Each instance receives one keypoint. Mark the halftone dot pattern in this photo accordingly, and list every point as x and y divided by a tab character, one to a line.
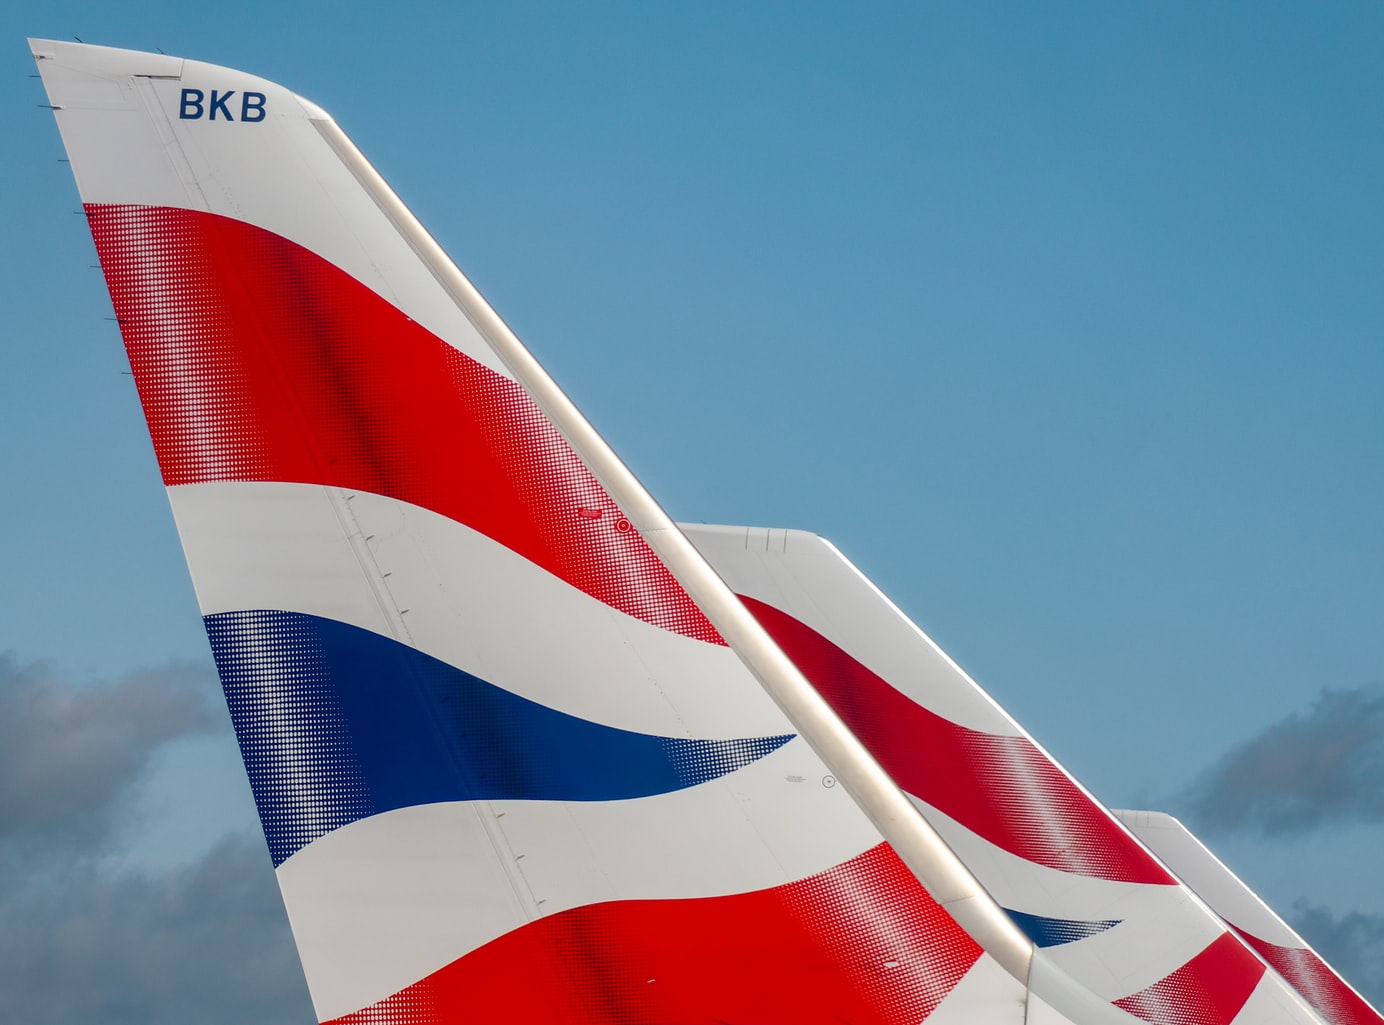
293	735
415	1006
1210	989
907	953
199	407
258	360
512	748
1053	932
338	722
1316	982
1001	788
599	553
700	761
862	943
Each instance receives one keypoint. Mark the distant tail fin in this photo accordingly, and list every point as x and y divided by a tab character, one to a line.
1095	901
1258	924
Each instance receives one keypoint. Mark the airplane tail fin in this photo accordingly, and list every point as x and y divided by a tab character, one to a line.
505	760
517	750
1253	920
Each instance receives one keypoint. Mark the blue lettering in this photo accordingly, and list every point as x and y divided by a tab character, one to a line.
191	109
218	102
252	106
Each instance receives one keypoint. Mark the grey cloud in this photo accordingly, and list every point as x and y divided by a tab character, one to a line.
1353	944
68	753
1323	767
207	942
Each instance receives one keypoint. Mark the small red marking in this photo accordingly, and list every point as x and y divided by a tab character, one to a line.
623	525
590	514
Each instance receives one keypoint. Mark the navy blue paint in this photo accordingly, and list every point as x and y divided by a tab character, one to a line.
218	102
1052	932
337	723
192	105
252	107
191	108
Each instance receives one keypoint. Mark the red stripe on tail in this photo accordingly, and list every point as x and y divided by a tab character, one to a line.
1317	983
1001	788
258	360
1210	989
861	943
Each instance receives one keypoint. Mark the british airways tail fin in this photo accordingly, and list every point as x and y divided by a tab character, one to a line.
1093	899
517	752
1252	919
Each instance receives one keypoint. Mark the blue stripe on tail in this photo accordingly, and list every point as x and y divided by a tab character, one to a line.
337	723
1052	932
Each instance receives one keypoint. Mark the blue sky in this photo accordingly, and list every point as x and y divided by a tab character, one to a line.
1063	321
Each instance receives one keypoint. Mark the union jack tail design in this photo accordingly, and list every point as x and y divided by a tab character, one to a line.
518	751
506	763
1094	900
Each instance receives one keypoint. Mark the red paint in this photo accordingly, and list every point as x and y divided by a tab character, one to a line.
1316	982
1210	989
1002	788
814	952
257	360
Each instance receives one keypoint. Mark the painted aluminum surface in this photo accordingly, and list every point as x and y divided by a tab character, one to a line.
476	811
1253	920
1098	903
